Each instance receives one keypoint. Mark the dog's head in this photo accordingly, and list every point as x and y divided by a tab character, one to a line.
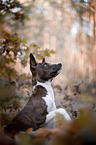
43	72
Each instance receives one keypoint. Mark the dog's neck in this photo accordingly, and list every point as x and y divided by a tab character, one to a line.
48	87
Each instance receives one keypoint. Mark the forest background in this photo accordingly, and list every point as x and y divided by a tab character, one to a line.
59	30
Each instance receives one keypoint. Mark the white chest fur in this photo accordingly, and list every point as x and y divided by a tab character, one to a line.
49	98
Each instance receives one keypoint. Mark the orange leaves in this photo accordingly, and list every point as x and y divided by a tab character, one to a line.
28	130
40	53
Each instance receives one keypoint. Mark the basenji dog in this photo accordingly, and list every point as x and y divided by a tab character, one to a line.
41	107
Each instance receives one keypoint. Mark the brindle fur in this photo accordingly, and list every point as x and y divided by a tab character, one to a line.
32	116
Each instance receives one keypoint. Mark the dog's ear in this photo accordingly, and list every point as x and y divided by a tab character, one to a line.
43	60
32	62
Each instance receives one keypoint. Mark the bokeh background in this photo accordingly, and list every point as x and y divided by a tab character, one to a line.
67	27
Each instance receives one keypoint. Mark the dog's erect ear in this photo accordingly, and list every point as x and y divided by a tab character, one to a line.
32	62
43	60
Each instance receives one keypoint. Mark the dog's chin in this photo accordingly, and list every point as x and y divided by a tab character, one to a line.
56	73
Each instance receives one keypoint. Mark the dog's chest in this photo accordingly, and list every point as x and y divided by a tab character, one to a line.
49	98
49	102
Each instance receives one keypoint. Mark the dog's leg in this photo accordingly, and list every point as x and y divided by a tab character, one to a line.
51	121
61	111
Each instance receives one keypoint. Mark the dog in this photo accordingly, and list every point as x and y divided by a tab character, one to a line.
41	108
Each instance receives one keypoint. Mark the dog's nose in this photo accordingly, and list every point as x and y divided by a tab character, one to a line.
60	64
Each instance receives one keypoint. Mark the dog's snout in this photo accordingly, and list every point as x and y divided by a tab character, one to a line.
60	64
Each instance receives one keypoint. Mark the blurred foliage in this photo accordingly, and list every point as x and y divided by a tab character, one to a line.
81	131
83	6
86	11
12	46
13	9
75	95
9	104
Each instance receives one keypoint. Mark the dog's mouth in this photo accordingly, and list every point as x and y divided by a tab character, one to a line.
57	70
